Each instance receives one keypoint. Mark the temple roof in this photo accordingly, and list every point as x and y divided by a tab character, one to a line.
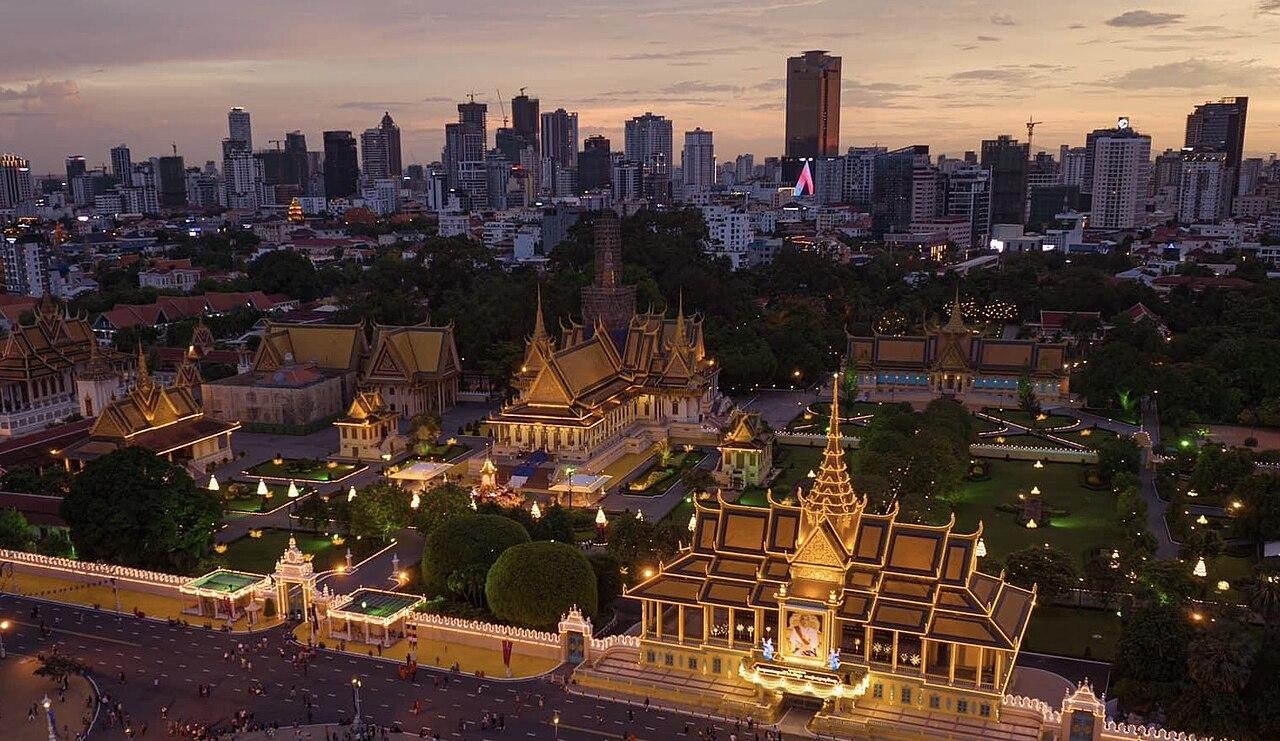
412	354
365	406
47	346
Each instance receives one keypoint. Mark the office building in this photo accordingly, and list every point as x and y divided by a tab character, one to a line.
648	141
627	179
297	169
242	176
969	196
77	166
238	127
26	266
391	137
594	170
465	141
698	161
1204	187
560	137
171	173
15	181
893	185
341	166
744	168
813	105
1071	165
1219	126
122	165
1120	158
1166	173
859	173
525	119
1007	161
373	154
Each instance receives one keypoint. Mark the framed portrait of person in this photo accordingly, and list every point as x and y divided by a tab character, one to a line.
802	637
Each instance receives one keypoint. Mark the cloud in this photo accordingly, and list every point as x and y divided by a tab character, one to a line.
1197	73
1076	26
733	8
373	105
1003	19
654	56
437	99
1002	74
988	38
1269	6
876	94
1144	19
42	91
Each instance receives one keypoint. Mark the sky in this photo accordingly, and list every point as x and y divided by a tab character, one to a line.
81	76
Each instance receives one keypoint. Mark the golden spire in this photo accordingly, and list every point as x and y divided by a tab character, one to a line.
955	323
832	491
679	340
539	326
144	375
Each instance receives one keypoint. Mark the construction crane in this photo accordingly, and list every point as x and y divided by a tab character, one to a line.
503	107
1031	131
276	142
175	148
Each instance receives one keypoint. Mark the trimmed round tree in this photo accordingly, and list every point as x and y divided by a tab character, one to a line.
533	584
466	540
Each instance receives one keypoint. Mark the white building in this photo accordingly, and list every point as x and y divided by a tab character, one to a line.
26	268
1204	187
15	181
238	127
241	177
698	161
859	174
1121	158
454	224
728	229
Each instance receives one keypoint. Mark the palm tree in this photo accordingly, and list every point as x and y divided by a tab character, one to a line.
424	428
1220	660
1264	592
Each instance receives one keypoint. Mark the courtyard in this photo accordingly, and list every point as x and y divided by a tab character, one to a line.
258	555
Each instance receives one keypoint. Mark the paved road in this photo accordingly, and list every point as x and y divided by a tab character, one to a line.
164	665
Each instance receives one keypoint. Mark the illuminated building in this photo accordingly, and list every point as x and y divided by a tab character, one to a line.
952	360
826	599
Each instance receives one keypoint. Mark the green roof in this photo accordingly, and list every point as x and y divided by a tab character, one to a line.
376	603
224	580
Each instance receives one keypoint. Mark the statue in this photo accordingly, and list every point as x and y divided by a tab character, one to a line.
833	661
767	648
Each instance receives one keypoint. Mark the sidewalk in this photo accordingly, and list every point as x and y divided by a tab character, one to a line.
22	689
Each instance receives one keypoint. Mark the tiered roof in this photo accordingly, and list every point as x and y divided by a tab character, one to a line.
48	346
829	549
333	347
412	354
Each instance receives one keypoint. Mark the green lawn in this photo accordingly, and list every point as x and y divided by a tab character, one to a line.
252	503
819	414
259	555
303	469
1026	440
1071	631
246	497
441	452
1090	523
1019	417
1096	435
658	479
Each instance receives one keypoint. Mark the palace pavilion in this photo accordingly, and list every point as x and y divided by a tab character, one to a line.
830	601
954	361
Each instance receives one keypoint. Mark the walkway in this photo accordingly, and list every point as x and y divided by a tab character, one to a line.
1156	507
656	507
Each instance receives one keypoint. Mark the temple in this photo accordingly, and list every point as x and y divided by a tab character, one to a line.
953	361
169	421
827	600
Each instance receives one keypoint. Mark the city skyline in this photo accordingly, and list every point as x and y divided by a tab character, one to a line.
965	73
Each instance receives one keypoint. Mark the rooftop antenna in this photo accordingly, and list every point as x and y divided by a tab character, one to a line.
472	96
522	91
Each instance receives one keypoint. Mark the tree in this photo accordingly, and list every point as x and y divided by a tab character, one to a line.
637	543
468	583
1263	590
533	584
1151	659
1027	400
1116	455
1259	515
314	512
424	429
287	272
555	524
134	508
1221	469
1164	582
608	577
1103	580
379	510
1048	568
15	531
440	504
463	541
57	666
1219	662
53	481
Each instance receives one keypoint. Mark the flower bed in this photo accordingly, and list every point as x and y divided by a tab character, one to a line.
303	469
660	478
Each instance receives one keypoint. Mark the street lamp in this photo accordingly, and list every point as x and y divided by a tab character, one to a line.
357	723
555	721
4	625
48	717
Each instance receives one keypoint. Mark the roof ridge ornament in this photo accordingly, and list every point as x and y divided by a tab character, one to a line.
832	492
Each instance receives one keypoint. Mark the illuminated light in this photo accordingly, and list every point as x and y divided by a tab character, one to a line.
1038	464
1035	491
416	502
293	490
1236	504
1223	585
1200	569
693	522
535	511
1202	520
351	493
473	504
1193	493
1196	616
811	474
640	515
600	518
263	489
220	548
647	573
1031	524
981	550
213	483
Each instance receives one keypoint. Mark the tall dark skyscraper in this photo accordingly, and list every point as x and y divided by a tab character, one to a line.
595	165
76	167
173	182
239	127
391	136
525	119
813	105
466	140
1218	126
1007	161
560	137
893	180
296	169
122	165
341	166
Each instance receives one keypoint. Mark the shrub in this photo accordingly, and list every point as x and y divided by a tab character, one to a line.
463	541
533	584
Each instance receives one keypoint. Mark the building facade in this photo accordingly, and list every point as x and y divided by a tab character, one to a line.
414	370
1120	158
38	366
813	105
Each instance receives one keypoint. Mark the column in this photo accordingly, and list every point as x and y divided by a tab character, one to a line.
893	660
951	669
680	623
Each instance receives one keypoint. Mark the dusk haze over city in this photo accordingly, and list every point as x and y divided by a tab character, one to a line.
762	370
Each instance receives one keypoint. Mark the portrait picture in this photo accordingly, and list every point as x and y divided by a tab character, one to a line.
803	637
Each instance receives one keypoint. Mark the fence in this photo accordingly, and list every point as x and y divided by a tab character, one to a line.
1032	453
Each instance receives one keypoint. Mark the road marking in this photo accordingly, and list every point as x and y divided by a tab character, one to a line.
84	635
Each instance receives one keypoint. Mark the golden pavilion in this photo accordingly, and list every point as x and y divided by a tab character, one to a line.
828	602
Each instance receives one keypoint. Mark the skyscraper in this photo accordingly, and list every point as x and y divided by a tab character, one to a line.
1203	187
1120	158
238	127
391	134
893	185
465	141
373	154
648	142
813	105
341	166
1007	161
524	119
296	168
698	161
594	164
172	174
76	167
560	137
1218	126
15	180
122	165
969	195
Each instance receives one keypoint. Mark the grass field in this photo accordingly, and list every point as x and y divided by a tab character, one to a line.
259	555
1090	523
1019	417
1027	440
1073	631
302	469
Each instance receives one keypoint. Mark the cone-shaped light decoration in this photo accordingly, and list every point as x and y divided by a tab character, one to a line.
351	493
416	502
981	550
600	518
535	511
213	483
1200	569
293	490
263	490
693	522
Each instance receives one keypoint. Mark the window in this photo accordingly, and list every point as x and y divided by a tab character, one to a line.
962	706
935	702
984	710
668	660
693	664
906	695
651	657
877	691
716	665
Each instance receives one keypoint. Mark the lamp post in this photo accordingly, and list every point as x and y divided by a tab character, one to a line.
48	717
357	722
4	625
555	721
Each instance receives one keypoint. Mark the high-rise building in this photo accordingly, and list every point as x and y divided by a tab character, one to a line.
122	165
627	179
391	135
744	167
171	174
594	171
1120	159
1204	187
648	141
26	266
1219	126
465	141
928	192
297	170
242	176
1071	165
1166	174
238	127
15	180
1007	161
813	105
77	166
969	195
560	137
893	185
698	161
525	120
341	166
859	174
373	154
